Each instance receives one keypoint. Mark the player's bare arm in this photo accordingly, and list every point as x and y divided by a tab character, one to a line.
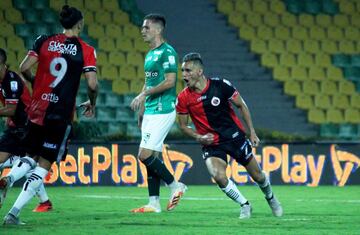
239	102
89	105
8	110
168	83
26	65
203	139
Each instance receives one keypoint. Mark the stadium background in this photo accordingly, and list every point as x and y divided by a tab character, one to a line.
295	62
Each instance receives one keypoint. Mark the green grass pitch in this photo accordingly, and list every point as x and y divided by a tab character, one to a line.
203	210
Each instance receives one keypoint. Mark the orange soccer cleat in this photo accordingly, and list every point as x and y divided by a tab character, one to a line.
43	207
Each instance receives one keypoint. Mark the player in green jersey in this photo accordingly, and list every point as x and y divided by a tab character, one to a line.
156	106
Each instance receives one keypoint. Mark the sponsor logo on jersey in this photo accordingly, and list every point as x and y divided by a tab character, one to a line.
62	48
215	101
158	52
151	74
50	97
14	86
203	97
49	145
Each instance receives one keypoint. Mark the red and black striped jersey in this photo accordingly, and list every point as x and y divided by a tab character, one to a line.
211	110
14	91
61	61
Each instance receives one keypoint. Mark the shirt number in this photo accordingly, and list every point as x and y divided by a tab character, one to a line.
58	68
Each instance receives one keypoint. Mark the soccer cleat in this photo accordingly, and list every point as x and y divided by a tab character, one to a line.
176	195
4	185
147	209
275	206
11	219
245	211
43	207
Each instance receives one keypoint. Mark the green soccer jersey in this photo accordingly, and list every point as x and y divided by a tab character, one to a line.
158	62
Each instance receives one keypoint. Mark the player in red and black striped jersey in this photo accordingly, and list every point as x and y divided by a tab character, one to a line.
61	59
15	98
209	104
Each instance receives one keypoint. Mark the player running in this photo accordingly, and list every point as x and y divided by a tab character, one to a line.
208	102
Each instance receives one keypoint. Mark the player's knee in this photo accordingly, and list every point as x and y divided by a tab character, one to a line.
259	177
33	183
221	180
29	161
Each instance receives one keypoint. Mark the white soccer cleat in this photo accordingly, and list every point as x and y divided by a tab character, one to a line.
275	206
4	185
176	195
245	211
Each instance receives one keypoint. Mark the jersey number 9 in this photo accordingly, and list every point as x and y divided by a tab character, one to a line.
58	67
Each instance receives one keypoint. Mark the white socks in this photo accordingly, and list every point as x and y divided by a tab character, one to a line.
30	187
21	168
9	162
233	192
41	192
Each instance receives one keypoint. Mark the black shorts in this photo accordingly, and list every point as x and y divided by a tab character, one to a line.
49	141
239	149
11	141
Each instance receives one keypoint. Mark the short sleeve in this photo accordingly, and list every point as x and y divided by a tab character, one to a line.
228	89
89	60
170	61
181	107
37	45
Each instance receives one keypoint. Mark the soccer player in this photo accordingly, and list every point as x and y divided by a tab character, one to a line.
156	106
60	59
15	98
208	102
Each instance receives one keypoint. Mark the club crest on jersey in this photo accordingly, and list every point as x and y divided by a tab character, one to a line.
215	101
14	86
62	48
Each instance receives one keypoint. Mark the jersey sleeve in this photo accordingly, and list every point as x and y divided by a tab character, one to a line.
89	60
181	107
37	45
228	89
12	89
170	61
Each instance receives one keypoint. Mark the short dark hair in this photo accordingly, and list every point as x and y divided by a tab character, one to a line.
157	18
193	56
3	56
70	16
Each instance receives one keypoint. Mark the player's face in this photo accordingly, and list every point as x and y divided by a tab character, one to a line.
149	30
190	73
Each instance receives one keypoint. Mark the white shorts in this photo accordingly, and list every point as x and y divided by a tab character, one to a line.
154	129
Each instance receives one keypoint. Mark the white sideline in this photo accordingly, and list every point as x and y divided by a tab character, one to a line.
97	196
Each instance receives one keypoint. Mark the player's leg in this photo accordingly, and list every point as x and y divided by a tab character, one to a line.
45	204
217	169
153	181
29	190
263	181
150	147
7	160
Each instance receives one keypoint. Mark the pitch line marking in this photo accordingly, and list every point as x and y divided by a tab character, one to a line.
98	196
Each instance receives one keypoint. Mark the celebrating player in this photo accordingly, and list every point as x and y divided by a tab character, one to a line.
208	102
